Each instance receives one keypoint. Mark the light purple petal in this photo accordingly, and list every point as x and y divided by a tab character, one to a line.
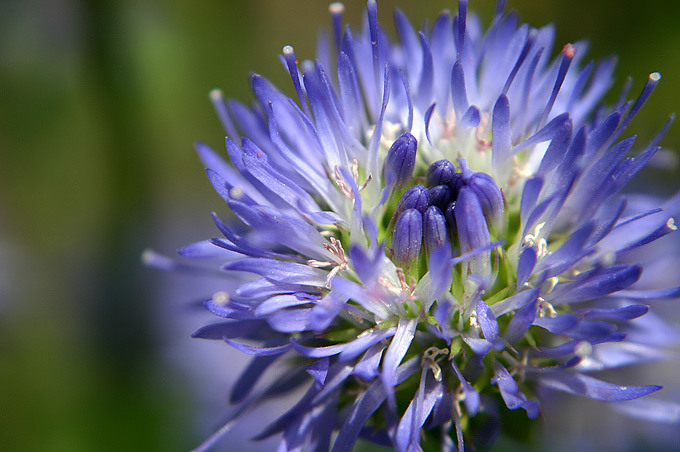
290	321
318	370
649	409
584	385
259	351
360	344
280	271
487	321
395	353
511	394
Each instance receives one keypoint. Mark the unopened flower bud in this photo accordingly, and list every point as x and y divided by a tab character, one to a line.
416	197
490	197
401	158
440	196
434	228
408	237
440	173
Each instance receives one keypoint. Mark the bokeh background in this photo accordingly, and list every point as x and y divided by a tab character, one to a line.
100	103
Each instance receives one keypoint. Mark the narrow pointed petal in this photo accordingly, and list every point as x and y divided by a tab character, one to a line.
584	385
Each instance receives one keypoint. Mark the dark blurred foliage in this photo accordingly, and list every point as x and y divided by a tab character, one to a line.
100	102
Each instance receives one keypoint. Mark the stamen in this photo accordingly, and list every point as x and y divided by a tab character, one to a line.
535	240
474	323
545	309
338	251
429	360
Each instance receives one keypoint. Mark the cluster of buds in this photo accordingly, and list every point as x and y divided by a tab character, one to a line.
456	208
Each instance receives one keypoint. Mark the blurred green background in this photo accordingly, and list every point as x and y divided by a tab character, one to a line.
100	102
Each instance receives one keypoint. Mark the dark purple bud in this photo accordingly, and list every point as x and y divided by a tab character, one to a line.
450	215
440	196
416	197
490	197
434	229
440	173
401	158
473	233
455	184
407	237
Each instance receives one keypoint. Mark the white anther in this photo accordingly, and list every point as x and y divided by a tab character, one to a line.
336	8
545	309
220	297
216	94
608	259
550	284
474	323
236	193
670	224
583	349
537	241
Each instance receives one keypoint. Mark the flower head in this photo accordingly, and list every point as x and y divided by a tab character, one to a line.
433	229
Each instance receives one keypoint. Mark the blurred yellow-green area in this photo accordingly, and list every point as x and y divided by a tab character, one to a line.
100	103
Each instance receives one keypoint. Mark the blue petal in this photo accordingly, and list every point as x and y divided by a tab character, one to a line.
280	271
395	353
458	91
511	394
259	351
357	346
584	385
440	272
520	322
516	301
279	302
366	404
249	377
319	370
530	192
263	288
595	283
557	325
525	266
649	409
671	292
231	329
502	141
367	367
290	321
471	395
326	310
629	312
408	431
487	321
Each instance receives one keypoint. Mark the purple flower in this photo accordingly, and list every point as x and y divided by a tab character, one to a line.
406	311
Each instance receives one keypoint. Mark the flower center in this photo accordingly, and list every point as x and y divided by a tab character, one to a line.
457	207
